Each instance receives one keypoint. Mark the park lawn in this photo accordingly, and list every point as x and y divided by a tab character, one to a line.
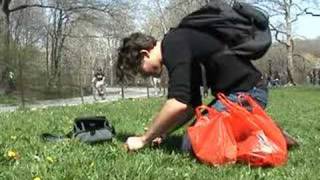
296	109
8	100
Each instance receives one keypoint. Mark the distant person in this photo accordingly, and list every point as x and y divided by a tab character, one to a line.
156	83
98	82
318	76
12	80
9	78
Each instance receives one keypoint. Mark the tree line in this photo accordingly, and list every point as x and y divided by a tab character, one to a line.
52	47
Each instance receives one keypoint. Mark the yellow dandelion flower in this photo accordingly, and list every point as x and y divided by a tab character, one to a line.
37	178
12	154
50	159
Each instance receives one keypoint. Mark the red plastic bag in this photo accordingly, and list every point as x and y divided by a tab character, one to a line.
259	140
211	137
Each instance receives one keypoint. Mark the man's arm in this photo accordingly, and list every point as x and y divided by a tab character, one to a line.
93	80
172	114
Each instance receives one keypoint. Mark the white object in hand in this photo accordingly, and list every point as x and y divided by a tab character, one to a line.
135	143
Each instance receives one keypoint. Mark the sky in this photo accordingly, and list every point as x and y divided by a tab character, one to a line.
308	27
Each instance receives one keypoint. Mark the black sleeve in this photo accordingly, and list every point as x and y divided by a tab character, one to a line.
178	60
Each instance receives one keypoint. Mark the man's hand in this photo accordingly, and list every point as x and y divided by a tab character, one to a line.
158	140
173	114
135	143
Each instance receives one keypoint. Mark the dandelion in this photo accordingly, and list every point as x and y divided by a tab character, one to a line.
50	159
37	178
13	137
13	154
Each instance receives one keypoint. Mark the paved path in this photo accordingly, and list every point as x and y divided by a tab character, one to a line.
113	94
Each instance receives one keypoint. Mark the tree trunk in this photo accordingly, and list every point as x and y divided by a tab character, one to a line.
47	57
80	80
22	95
122	90
111	69
270	68
56	50
111	61
162	18
5	8
7	29
5	81
289	47
290	65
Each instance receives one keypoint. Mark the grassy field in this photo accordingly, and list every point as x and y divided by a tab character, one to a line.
23	155
10	100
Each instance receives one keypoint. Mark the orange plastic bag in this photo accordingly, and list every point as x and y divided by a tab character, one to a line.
211	137
259	140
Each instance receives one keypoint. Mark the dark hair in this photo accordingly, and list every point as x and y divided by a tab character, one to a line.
129	56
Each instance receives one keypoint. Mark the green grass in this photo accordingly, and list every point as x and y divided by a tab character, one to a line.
296	109
8	99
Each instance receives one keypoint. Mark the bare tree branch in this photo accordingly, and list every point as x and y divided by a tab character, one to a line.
303	12
311	13
279	40
89	36
104	8
33	5
274	28
277	31
298	14
271	9
5	6
299	55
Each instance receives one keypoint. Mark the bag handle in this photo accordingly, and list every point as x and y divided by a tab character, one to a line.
231	106
225	101
250	100
237	109
200	110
